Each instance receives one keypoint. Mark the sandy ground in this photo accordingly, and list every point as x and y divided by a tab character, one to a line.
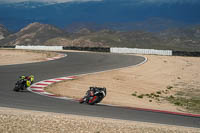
24	121
8	57
155	75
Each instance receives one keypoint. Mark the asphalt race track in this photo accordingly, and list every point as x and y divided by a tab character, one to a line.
74	64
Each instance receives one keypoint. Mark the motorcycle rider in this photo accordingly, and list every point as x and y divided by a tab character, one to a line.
31	78
93	95
27	80
89	94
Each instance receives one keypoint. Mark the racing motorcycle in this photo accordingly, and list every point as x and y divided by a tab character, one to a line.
93	96
20	85
24	82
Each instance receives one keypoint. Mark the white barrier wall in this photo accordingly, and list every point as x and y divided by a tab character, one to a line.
40	47
141	51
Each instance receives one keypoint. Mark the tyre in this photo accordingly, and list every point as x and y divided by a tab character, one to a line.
16	89
81	101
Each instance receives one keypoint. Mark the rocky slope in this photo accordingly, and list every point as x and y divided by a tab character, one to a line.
33	34
182	38
44	34
3	32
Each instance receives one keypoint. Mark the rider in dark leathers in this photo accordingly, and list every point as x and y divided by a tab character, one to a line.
90	94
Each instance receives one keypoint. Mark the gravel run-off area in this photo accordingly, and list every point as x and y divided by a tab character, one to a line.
24	121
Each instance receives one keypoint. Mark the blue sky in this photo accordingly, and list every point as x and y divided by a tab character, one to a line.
140	1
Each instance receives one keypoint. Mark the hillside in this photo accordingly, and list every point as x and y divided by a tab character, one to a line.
139	39
3	32
33	34
184	39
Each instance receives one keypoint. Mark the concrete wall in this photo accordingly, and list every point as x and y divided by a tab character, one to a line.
141	51
40	47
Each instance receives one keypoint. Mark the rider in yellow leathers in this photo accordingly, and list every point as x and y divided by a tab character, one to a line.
27	80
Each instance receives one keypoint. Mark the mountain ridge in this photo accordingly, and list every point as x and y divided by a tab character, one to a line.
182	39
3	32
32	34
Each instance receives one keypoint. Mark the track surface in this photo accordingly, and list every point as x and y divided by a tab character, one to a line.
74	64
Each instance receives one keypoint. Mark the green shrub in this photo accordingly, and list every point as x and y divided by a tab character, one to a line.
177	103
169	87
171	97
134	94
141	96
158	92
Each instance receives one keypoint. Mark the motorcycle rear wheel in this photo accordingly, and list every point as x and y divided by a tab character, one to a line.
16	89
81	101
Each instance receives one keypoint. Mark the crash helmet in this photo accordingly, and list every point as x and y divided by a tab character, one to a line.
91	88
22	77
31	76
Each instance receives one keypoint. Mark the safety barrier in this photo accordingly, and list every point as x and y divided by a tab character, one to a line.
184	53
95	49
7	46
112	50
141	51
40	47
